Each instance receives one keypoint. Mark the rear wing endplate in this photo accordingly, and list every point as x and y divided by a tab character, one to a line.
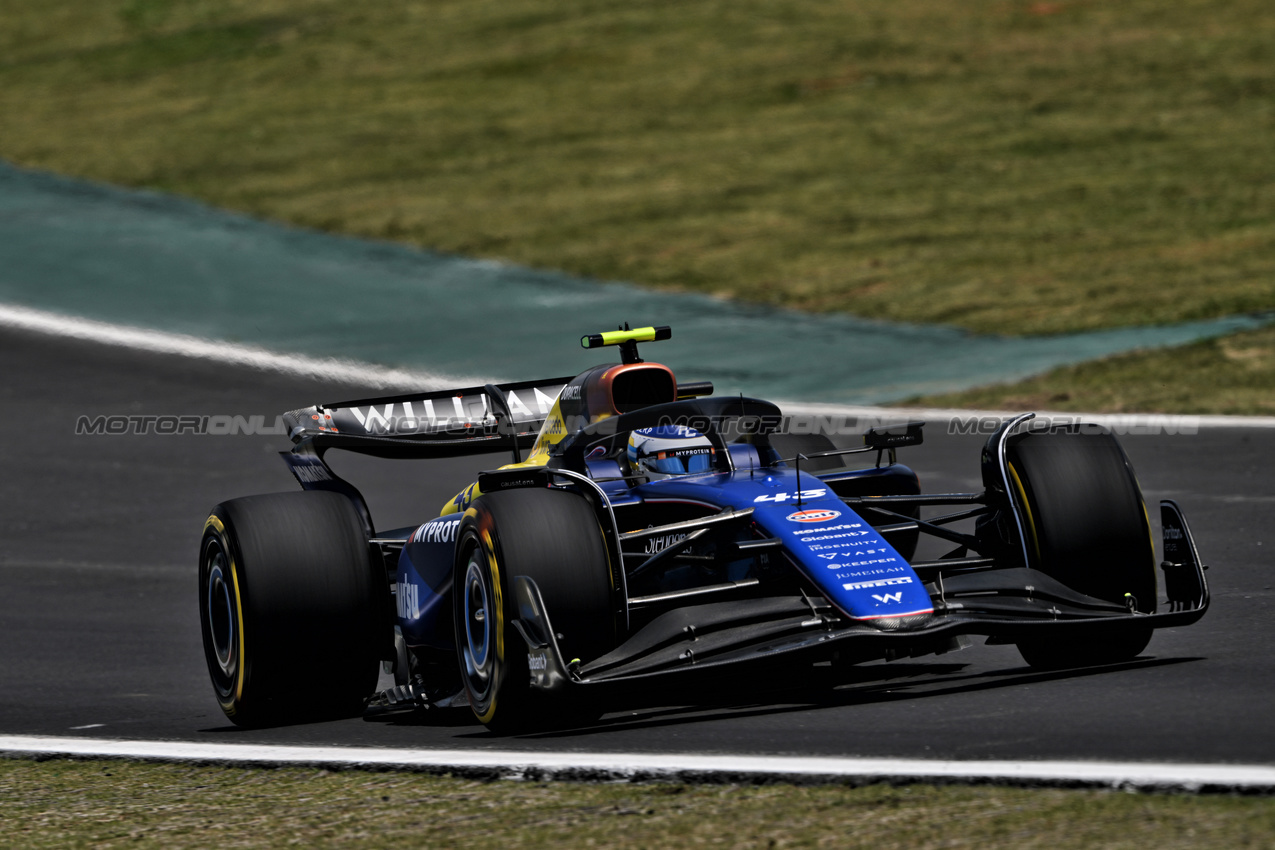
435	424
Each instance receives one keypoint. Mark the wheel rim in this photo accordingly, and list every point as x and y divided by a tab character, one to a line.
477	613
221	623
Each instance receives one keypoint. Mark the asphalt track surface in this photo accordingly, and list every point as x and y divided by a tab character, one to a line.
100	629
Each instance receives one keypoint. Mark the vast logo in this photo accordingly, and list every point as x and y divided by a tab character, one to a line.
814	515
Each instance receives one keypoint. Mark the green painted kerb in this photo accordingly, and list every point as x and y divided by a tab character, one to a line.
155	261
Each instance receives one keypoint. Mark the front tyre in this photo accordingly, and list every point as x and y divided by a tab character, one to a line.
290	608
1086	525
553	537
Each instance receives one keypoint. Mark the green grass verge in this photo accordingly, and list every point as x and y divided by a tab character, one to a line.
117	804
1005	165
1233	375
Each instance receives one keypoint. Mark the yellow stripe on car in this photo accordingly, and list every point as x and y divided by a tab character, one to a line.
1027	510
552	432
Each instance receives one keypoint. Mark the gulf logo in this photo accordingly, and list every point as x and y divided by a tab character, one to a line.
818	515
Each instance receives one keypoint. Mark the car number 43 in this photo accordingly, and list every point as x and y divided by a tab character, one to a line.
784	497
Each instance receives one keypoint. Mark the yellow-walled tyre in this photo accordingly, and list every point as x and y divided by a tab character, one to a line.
553	537
291	611
1086	525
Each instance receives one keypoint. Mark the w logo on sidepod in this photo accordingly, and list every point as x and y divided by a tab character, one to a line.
817	515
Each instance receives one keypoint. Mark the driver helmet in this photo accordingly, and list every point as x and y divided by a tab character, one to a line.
669	450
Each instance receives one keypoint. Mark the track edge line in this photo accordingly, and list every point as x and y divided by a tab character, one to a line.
687	768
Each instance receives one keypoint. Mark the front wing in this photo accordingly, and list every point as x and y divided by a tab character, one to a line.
1005	605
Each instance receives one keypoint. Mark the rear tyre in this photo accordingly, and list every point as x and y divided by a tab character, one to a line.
1086	525
290	608
553	537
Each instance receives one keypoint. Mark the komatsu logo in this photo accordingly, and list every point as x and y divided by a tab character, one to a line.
842	527
310	473
407	595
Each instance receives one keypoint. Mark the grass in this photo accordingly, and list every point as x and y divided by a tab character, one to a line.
117	804
1004	165
1008	166
1231	375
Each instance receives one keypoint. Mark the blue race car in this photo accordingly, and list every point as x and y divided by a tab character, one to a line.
656	535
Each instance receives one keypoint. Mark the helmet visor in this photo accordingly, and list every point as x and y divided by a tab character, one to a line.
681	461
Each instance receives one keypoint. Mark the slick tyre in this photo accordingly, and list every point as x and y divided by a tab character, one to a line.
553	537
290	608
1086	525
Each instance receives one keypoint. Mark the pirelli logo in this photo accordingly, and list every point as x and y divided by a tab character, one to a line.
880	582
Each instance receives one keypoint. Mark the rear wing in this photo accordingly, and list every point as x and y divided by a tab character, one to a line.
423	425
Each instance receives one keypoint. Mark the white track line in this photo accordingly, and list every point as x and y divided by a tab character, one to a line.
370	375
689	768
251	356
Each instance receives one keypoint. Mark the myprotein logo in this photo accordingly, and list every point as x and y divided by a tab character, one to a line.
437	531
814	515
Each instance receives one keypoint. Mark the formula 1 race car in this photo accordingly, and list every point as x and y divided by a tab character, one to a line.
657	535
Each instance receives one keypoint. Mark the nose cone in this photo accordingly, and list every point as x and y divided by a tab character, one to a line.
902	624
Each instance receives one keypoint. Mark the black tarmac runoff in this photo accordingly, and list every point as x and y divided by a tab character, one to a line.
100	623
